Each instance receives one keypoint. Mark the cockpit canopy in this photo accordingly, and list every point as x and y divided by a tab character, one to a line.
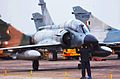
77	26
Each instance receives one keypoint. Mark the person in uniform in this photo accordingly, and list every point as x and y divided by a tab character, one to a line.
85	61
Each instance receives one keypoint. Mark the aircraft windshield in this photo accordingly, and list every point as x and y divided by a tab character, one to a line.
77	26
85	29
82	28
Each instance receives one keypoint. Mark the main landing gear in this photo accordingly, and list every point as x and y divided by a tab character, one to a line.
35	65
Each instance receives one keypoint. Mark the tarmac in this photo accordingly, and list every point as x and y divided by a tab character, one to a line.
63	69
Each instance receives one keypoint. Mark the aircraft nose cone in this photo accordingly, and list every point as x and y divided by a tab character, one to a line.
90	39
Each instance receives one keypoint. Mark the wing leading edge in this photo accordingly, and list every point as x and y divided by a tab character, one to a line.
32	46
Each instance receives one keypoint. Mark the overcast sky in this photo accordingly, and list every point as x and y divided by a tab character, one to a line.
19	12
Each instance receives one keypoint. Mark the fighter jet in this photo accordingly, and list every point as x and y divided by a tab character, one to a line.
106	35
9	37
70	34
45	19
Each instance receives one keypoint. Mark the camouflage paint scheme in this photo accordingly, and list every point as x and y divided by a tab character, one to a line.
70	34
9	36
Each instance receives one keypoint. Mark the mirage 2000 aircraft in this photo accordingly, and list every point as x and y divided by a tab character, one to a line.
45	19
71	34
106	35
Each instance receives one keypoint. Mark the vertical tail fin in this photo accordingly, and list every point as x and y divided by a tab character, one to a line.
9	36
91	21
38	20
46	16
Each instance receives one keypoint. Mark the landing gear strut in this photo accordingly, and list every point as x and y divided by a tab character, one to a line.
54	55
35	65
118	56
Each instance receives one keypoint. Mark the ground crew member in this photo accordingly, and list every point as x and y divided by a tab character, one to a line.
85	61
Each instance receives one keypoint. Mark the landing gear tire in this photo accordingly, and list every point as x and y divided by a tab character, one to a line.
79	66
35	65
